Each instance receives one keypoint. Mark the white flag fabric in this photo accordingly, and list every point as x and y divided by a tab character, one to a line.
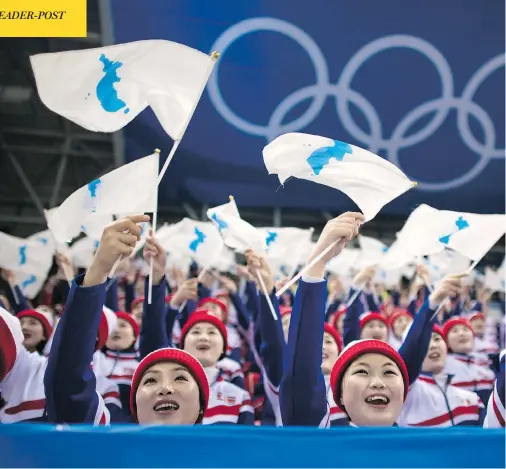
343	263
429	230
24	256
131	188
29	284
396	256
237	233
372	251
103	89
45	238
494	281
286	248
196	239
82	252
369	180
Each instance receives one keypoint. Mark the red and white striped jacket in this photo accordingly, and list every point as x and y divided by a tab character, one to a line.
495	407
439	404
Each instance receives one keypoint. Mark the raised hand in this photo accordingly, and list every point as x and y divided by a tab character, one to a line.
257	263
153	250
118	239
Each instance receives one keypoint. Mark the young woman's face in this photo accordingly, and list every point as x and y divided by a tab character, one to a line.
285	324
33	332
205	343
400	325
374	330
478	326
167	395
460	339
436	356
214	310
330	353
137	313
373	391
122	338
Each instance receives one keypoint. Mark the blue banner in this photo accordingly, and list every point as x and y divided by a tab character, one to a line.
250	447
421	85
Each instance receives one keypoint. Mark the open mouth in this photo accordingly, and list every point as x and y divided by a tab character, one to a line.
378	337
203	347
434	355
324	356
378	400
27	335
166	407
115	337
463	340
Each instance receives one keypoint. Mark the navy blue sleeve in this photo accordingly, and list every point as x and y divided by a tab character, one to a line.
170	320
396	297
351	323
111	297
69	381
203	292
243	315
153	330
332	308
372	304
129	295
20	303
303	394
273	343
414	348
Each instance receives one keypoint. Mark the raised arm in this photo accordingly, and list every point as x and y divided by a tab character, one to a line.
69	382
303	394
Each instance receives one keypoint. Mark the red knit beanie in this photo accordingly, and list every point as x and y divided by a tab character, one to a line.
284	310
48	330
335	335
176	356
354	350
128	318
437	330
135	302
476	315
203	316
399	314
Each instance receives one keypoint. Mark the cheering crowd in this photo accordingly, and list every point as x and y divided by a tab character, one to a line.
220	347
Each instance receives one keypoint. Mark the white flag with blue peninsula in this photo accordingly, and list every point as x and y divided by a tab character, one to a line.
131	188
369	180
105	88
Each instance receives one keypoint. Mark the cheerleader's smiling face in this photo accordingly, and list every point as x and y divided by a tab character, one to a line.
33	332
460	339
374	329
400	325
122	338
373	391
205	343
478	325
167	395
330	352
436	356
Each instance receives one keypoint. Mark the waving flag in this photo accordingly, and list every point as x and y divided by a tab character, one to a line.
237	234
429	230
369	180
131	188
286	248
372	251
25	256
29	284
103	89
494	281
341	265
189	238
81	253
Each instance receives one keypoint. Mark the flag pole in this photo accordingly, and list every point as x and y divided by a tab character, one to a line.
215	56
69	277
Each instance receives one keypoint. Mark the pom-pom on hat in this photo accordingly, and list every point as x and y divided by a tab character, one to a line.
176	356
108	324
335	335
354	350
372	317
128	318
31	313
11	340
203	316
